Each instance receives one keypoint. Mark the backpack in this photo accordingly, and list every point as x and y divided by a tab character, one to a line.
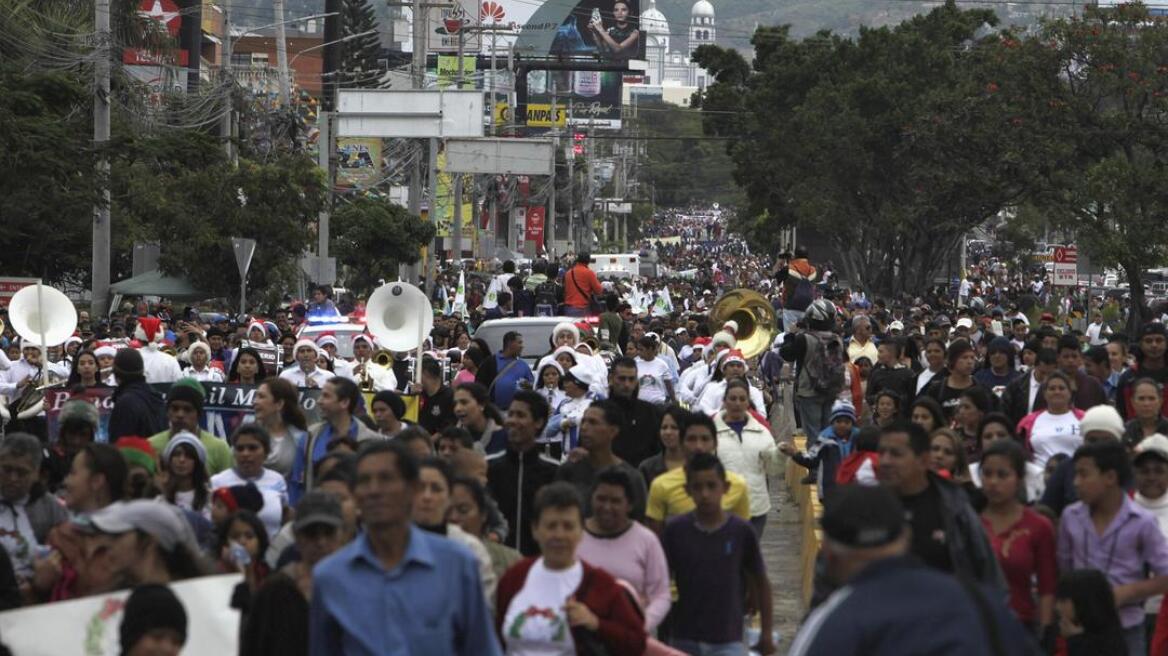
545	293
826	360
801	296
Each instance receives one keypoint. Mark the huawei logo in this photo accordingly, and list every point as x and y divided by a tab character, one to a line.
492	11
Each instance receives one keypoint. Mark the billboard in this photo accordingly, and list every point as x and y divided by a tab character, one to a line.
591	98
447	24
605	30
359	162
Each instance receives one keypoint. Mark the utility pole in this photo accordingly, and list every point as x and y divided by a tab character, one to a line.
418	79
456	200
572	186
433	212
282	53
101	133
225	70
549	226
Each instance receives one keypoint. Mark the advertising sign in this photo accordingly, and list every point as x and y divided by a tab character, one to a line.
359	162
535	223
448	71
587	29
539	115
9	286
590	98
446	25
444	216
1066	266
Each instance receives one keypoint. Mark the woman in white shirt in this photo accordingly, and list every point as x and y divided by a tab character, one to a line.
1056	428
185	459
655	384
995	427
747	448
732	365
251	444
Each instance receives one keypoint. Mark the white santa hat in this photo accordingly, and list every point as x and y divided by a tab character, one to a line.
148	330
326	340
256	325
301	343
731	327
725	339
199	346
565	326
105	350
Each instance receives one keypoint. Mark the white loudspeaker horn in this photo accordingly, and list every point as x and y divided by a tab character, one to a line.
40	313
399	316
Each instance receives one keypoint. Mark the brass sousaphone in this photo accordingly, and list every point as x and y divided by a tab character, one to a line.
400	318
45	317
753	314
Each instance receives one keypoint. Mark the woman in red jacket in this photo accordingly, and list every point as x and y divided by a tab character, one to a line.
557	603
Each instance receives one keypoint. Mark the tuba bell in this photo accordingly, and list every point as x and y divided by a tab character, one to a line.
753	314
400	318
45	317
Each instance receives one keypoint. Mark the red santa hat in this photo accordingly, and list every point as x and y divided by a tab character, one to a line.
149	330
733	355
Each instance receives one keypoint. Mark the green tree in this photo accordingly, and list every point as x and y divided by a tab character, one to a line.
362	47
46	176
681	166
1112	108
372	237
179	189
892	144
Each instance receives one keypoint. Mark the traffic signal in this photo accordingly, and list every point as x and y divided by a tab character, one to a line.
578	142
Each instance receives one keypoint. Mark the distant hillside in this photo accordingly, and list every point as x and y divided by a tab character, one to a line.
737	19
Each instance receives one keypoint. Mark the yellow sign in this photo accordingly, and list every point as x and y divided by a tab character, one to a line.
411	401
448	71
539	115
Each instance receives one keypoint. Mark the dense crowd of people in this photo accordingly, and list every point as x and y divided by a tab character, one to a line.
994	482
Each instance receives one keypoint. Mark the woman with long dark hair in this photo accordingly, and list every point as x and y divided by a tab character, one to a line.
85	371
187	484
476	413
277	409
247	368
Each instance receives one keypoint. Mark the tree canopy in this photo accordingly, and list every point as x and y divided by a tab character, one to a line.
372	237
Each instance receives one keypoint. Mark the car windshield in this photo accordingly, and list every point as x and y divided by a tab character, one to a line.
536	337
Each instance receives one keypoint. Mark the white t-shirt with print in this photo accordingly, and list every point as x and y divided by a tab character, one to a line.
535	623
652	375
1053	434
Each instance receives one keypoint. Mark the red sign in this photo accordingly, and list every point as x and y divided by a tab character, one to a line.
1066	254
9	286
535	221
167	13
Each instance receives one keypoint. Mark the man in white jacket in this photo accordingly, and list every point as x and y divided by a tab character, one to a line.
160	367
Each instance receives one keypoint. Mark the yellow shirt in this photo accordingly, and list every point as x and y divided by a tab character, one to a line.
668	498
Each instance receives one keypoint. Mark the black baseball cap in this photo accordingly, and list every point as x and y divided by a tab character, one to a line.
318	508
862	516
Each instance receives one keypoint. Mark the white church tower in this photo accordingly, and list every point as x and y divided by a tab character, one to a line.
702	25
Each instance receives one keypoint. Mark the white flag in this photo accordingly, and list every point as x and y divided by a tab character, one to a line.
459	304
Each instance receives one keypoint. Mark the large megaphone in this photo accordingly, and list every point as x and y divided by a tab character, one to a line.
399	317
42	315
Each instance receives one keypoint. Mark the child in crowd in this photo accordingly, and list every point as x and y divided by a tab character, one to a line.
834	446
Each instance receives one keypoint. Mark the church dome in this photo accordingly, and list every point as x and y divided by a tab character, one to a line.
702	8
653	21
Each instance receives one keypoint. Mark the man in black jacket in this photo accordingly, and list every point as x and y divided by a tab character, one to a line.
516	474
637	439
138	409
889	374
1021	396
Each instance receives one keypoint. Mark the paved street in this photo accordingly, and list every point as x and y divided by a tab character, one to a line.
781	544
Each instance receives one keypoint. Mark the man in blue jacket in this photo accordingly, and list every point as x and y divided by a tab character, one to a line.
889	602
